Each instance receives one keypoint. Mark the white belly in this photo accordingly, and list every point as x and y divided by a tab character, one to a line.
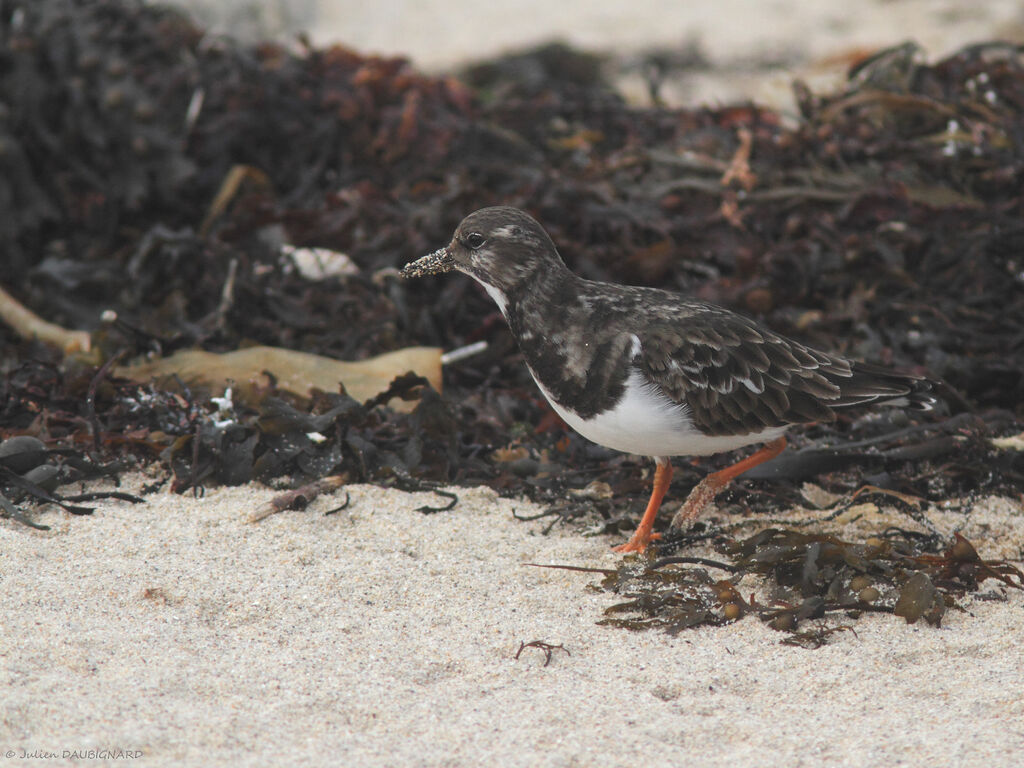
647	423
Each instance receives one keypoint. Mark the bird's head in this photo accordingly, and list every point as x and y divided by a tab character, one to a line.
499	247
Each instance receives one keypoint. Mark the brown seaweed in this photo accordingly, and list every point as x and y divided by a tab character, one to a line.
806	576
154	175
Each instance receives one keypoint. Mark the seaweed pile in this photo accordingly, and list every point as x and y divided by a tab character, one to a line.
809	576
146	166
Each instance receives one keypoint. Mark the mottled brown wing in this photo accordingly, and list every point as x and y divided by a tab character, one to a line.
737	378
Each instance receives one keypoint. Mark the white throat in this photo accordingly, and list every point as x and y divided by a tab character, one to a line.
495	293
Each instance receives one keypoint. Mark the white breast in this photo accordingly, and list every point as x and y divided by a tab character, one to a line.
645	422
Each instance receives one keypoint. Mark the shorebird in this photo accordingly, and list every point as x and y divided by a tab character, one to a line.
653	373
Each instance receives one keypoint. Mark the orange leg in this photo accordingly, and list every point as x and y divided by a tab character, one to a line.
699	497
644	534
709	487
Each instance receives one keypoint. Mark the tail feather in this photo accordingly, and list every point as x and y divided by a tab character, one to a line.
871	384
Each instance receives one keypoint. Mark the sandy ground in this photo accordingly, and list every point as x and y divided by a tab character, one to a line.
382	637
379	636
754	48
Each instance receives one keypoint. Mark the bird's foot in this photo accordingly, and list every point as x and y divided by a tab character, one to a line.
638	542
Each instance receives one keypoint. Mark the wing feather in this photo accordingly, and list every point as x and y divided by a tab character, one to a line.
737	378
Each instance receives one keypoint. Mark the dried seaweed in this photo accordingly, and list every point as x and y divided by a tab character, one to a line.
547	648
151	175
30	472
803	576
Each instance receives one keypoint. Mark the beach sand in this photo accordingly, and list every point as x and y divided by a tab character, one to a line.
752	49
382	636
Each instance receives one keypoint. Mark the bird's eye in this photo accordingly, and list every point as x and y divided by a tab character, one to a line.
474	240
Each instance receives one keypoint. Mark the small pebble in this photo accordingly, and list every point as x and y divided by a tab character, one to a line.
783	622
868	595
22	453
857	583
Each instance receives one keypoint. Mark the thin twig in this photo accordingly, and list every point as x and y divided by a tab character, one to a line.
299	497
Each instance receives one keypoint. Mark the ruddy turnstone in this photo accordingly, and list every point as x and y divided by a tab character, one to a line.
650	372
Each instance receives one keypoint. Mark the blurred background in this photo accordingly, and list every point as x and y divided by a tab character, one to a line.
851	174
713	52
